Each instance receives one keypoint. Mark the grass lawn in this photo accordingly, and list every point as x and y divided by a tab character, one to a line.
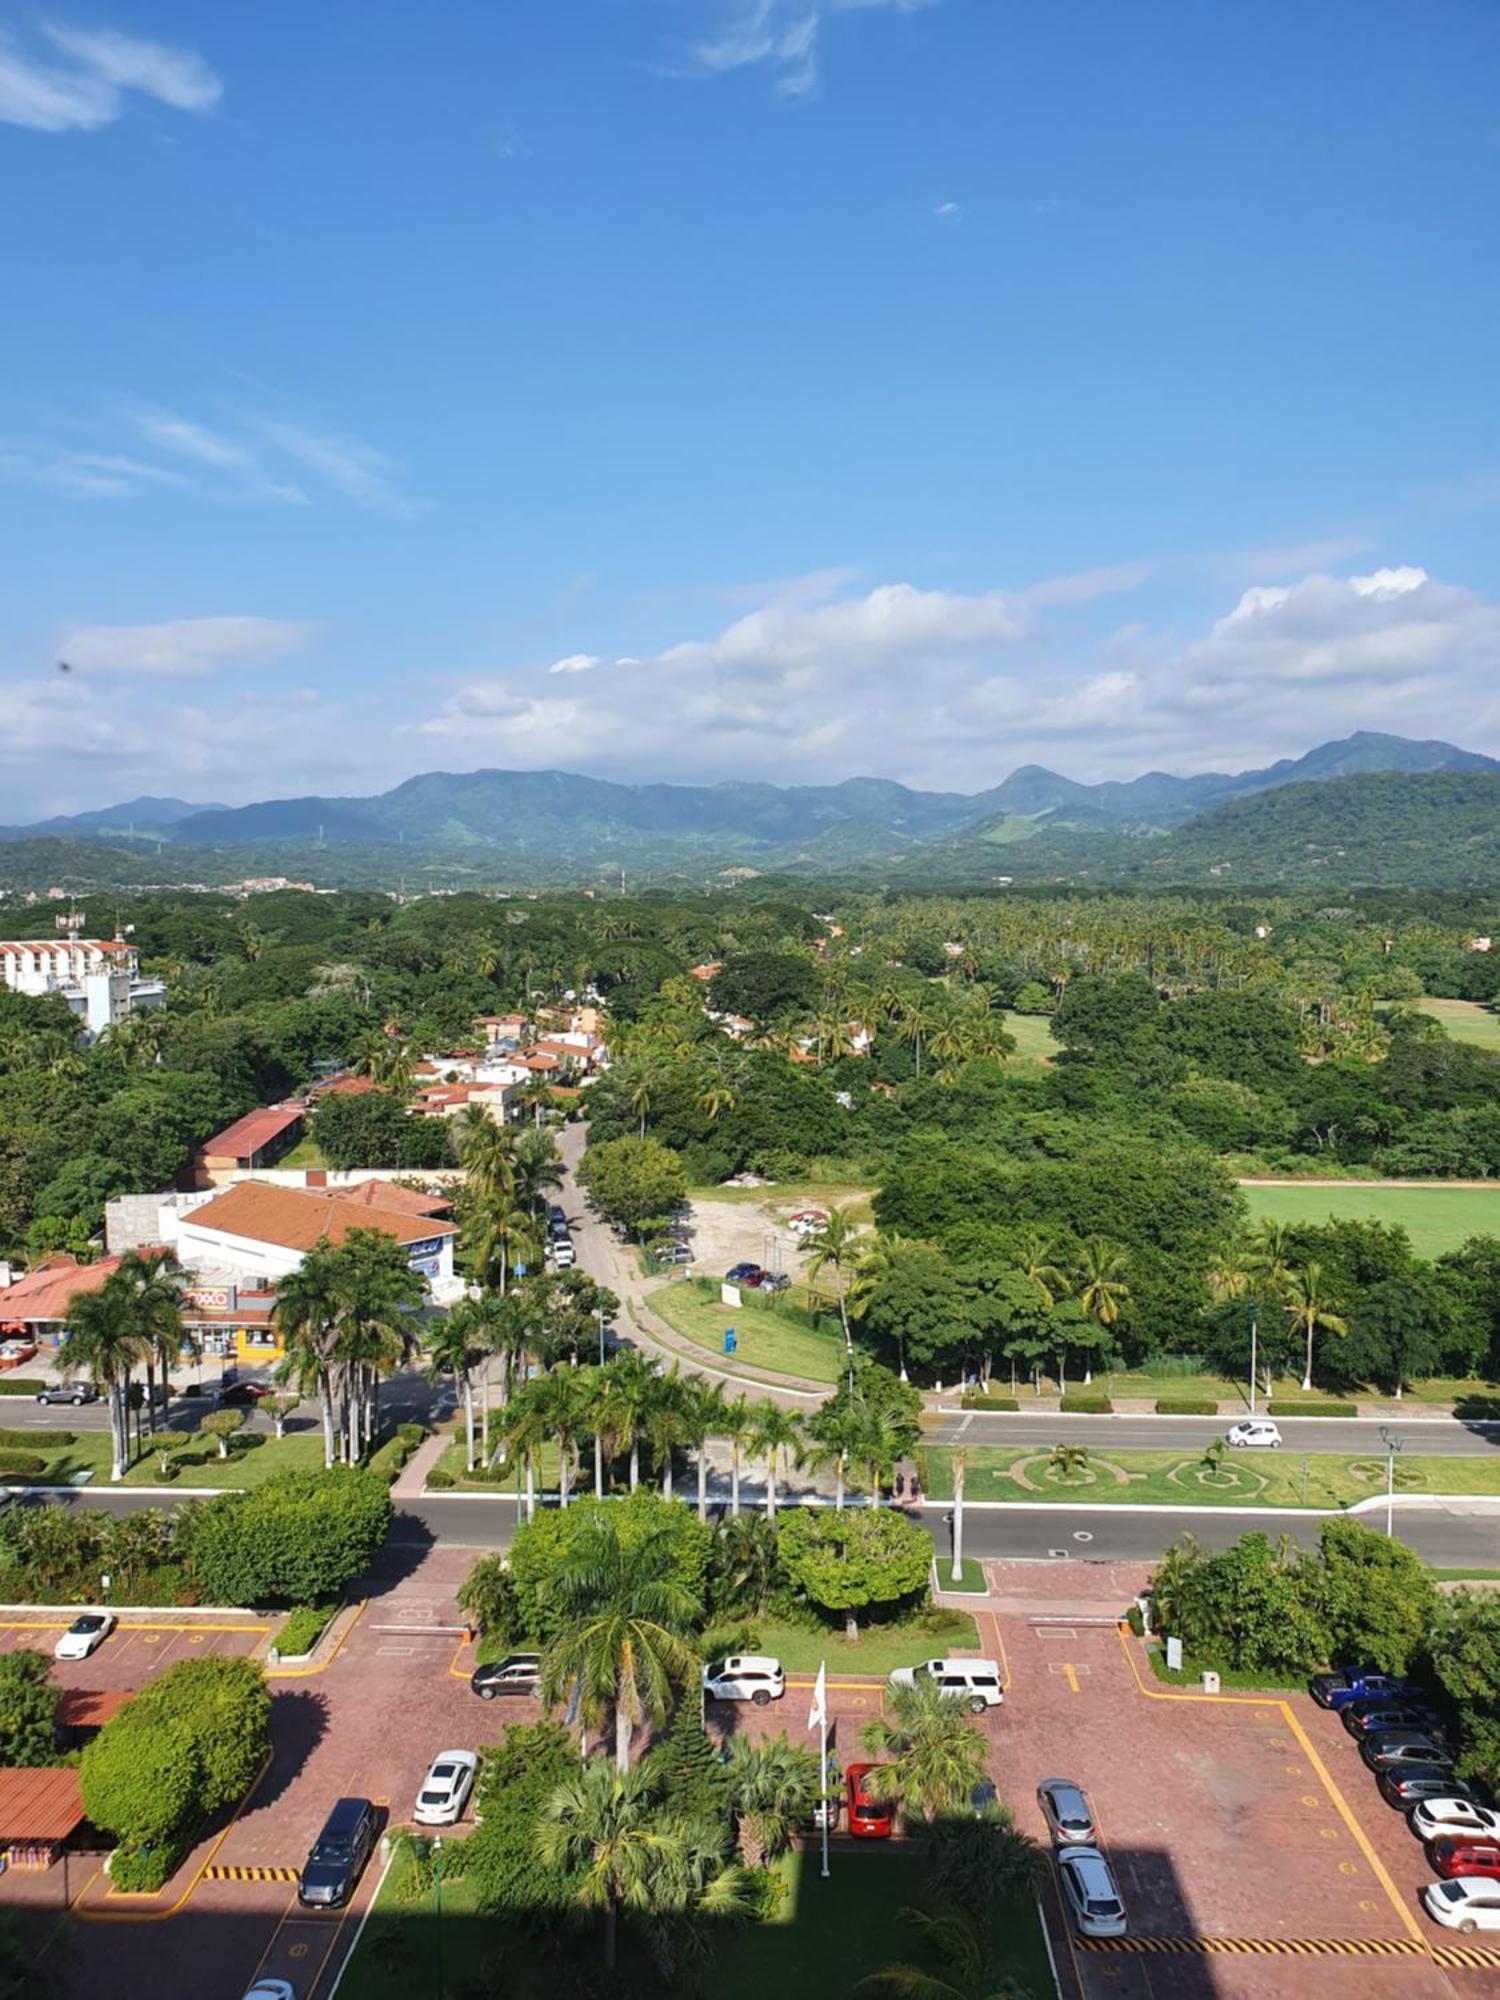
1249	1680
1465	1575
300	1451
306	1153
878	1649
972	1583
781	1338
1034	1040
1174	1478
1230	1394
1436	1218
547	1459
825	1937
1465	1021
835	1190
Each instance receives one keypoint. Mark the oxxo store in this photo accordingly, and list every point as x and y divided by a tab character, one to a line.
233	1322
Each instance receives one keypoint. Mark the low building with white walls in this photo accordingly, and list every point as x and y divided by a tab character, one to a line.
99	978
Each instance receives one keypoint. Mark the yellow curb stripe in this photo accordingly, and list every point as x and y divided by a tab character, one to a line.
117	1915
306	1673
1340	1804
1265	1947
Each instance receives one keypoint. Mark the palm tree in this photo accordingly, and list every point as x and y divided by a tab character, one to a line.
528	1425
106	1344
456	1345
835	1435
623	1644
537	1166
773	1789
1035	1256
669	1422
776	1430
1310	1310
913	1020
736	1425
499	1236
1102	1288
1066	1459
701	1417
306	1315
153	1284
836	1244
486	1151
716	1094
1270	1260
969	1971
928	1758
632	1388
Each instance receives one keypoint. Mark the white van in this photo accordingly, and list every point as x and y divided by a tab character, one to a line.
975	1681
745	1677
564	1256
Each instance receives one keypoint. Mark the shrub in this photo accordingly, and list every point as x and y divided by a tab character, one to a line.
543	1545
21	1464
846	1562
1311	1408
520	1774
20	1385
37	1440
1135	1619
141	1871
303	1629
1475	1409
439	1480
299	1539
388	1459
1185	1406
413	1434
28	1703
976	1399
487	1598
1085	1405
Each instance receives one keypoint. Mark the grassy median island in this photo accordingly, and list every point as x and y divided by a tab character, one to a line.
254	1457
783	1338
1187	1479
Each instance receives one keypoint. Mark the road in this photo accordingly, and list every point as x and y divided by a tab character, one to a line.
1422	1437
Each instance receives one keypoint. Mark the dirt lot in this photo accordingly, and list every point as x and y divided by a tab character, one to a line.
751	1229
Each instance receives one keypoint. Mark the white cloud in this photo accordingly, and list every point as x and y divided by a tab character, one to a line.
103	69
949	211
183	646
781	36
87	475
356	470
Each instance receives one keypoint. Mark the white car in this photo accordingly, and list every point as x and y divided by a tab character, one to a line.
745	1677
976	1682
84	1634
1468	1903
1435	1818
1089	1891
1255	1432
446	1788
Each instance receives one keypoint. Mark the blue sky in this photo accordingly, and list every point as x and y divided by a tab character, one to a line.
699	389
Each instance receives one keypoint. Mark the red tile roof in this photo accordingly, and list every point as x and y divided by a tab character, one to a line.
48	1291
38	1807
247	1135
386	1194
296	1219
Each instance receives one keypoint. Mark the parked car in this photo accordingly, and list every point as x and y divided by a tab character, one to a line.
243	1393
773	1281
564	1256
869	1819
976	1682
1410	1786
517	1673
1441	1818
807	1222
1358	1684
557	1222
673	1253
745	1677
1460	1856
446	1788
338	1855
1088	1887
1254	1431
1364	1718
68	1392
85	1635
1069	1817
1387	1748
271	1989
1467	1904
744	1274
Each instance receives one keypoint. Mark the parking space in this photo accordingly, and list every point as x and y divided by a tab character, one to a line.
1242	1832
134	1653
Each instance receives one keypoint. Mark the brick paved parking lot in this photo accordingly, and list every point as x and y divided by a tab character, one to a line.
133	1653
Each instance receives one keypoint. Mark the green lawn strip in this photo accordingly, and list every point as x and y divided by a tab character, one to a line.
301	1451
781	1339
973	1582
1465	1575
1465	1021
306	1153
1035	1041
1436	1218
453	1459
786	1197
1181	1479
1247	1680
879	1648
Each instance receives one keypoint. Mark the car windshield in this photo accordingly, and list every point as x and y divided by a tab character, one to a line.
442	1774
328	1853
716	1671
86	1624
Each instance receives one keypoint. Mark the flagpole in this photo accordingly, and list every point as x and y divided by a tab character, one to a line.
818	1714
824	1734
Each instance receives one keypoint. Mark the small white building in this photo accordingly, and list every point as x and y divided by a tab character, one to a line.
98	977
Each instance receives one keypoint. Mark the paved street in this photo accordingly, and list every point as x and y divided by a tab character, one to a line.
1423	1436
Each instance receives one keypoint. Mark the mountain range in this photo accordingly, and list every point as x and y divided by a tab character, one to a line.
492	825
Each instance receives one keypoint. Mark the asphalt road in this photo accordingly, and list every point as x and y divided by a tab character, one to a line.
1422	1437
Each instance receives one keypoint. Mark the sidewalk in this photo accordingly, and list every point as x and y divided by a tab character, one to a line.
411	1481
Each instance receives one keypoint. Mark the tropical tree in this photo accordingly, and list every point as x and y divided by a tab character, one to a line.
773	1788
836	1247
1037	1257
1099	1280
623	1646
629	1392
737	1426
456	1345
486	1150
1310	1310
1066	1459
105	1344
701	1416
776	1431
928	1757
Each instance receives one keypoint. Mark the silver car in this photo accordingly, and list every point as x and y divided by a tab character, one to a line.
1065	1808
1088	1889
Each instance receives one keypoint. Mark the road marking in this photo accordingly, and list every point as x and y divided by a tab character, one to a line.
221	1871
108	1916
1208	1947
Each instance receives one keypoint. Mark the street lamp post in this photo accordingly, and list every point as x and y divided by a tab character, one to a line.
1254	1332
1393	1445
437	1879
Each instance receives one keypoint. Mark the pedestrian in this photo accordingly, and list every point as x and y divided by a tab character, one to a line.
900	1484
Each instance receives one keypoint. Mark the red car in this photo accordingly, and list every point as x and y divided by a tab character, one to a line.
869	1818
1459	1856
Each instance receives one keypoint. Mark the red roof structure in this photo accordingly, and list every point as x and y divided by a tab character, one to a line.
249	1136
89	1708
48	1292
386	1195
39	1808
297	1219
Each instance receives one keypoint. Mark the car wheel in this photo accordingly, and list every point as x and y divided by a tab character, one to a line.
42	1399
486	1694
761	1698
78	1402
978	1705
1468	1927
1276	1444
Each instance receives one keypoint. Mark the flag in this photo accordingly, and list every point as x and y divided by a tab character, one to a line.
818	1713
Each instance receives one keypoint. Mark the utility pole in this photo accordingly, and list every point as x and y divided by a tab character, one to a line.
1393	1445
1254	1333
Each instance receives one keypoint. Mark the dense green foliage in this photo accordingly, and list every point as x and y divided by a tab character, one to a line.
28	1705
844	1560
56	1555
298	1539
543	1548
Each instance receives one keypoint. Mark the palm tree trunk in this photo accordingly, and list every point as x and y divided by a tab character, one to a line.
771	1487
1307	1371
325	1400
622	1737
734	1479
666	1474
838	1491
530	1484
564	1470
117	1422
703	1480
598	1466
469	1419
635	1463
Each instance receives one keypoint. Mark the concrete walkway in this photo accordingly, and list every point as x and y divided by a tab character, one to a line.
411	1482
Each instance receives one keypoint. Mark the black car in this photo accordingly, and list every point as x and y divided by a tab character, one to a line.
517	1673
1361	1717
68	1392
557	1222
333	1868
1405	1788
1386	1747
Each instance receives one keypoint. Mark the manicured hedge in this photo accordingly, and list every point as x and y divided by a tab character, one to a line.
440	1481
976	1399
1185	1406
303	1629
21	1464
1313	1409
1086	1406
36	1440
20	1385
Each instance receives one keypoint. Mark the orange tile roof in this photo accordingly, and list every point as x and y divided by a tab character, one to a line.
38	1807
297	1219
247	1135
48	1291
386	1194
347	1086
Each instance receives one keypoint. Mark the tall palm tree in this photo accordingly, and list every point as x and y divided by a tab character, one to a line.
486	1151
702	1417
306	1315
668	1422
623	1645
835	1436
836	1246
456	1345
928	1757
153	1283
1311	1311
633	1387
736	1425
498	1236
529	1417
1036	1257
105	1343
1272	1254
776	1431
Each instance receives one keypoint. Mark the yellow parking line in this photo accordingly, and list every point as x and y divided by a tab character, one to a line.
455	1670
1340	1805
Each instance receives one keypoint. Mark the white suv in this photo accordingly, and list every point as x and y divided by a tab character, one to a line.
745	1677
1089	1891
975	1681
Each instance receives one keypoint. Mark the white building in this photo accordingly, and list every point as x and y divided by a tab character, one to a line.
98	977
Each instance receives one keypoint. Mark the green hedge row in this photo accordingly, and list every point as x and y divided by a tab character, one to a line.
20	1385
1085	1406
141	1871
1325	1409
387	1459
1185	1406
303	1629
976	1399
36	1440
21	1464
